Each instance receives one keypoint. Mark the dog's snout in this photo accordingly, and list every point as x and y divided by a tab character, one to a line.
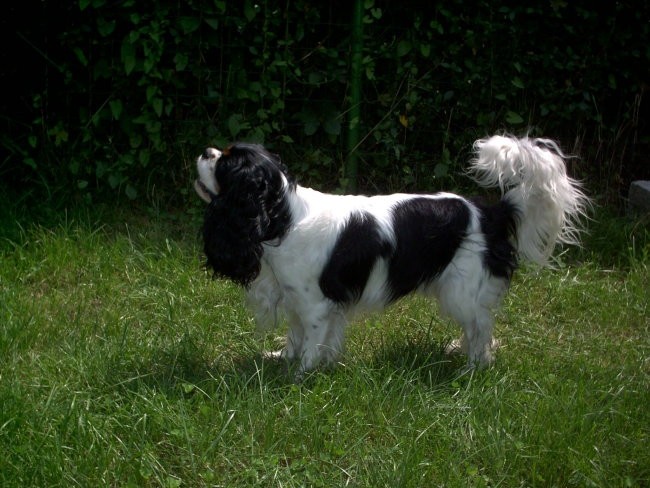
210	153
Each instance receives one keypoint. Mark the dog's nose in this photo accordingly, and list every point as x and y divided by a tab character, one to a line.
210	153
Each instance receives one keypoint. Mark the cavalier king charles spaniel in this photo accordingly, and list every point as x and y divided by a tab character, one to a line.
317	259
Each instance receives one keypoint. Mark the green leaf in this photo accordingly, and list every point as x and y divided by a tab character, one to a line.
100	169
425	49
105	28
611	81
236	124
332	126
128	56
144	156
151	91
249	11
74	166
403	48
181	60
514	118
81	56
113	181
157	104
131	192
315	78
517	82
213	23
81	184
83	4
311	126
116	108
189	24
441	170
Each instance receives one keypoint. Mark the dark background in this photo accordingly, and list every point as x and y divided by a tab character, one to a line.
113	100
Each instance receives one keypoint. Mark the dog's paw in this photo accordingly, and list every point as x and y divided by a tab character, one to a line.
454	348
279	355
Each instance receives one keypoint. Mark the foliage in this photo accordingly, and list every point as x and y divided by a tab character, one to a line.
131	91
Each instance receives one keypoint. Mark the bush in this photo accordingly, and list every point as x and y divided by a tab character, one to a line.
124	95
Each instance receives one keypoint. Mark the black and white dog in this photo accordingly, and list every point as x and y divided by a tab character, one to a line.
317	259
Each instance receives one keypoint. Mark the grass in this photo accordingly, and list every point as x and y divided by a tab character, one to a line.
122	364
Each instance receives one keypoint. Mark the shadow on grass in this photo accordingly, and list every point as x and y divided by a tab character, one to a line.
420	358
187	368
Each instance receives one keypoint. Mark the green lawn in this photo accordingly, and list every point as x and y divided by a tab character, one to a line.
123	364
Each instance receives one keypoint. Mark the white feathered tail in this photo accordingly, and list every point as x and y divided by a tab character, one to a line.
531	174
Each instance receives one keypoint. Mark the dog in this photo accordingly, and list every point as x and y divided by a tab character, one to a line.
317	259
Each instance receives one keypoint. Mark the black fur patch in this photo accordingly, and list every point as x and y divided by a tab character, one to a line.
499	225
429	232
357	248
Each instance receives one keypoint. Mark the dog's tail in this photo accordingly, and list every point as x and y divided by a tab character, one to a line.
531	174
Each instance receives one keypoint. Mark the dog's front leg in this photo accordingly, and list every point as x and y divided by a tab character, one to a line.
322	338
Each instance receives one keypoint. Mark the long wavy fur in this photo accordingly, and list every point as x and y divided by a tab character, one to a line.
250	208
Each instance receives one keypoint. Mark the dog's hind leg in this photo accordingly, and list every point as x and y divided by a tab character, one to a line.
469	294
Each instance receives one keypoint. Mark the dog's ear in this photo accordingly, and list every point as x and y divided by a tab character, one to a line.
249	210
233	231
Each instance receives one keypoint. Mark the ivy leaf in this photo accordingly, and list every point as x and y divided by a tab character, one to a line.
403	48
116	108
315	78
113	181
441	170
181	60
151	91
311	126
236	124
128	56
514	118
516	81
213	23
81	56
249	11
105	28
131	192
157	104
189	24
332	126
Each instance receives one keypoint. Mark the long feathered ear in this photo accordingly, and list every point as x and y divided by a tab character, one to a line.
232	237
249	210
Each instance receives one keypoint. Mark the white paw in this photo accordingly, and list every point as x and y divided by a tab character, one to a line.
280	354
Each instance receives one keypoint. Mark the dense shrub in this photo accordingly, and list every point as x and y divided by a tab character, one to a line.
120	97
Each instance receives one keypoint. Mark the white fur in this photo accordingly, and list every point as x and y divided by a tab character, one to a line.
532	175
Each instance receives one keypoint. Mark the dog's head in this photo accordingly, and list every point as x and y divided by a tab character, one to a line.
246	188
